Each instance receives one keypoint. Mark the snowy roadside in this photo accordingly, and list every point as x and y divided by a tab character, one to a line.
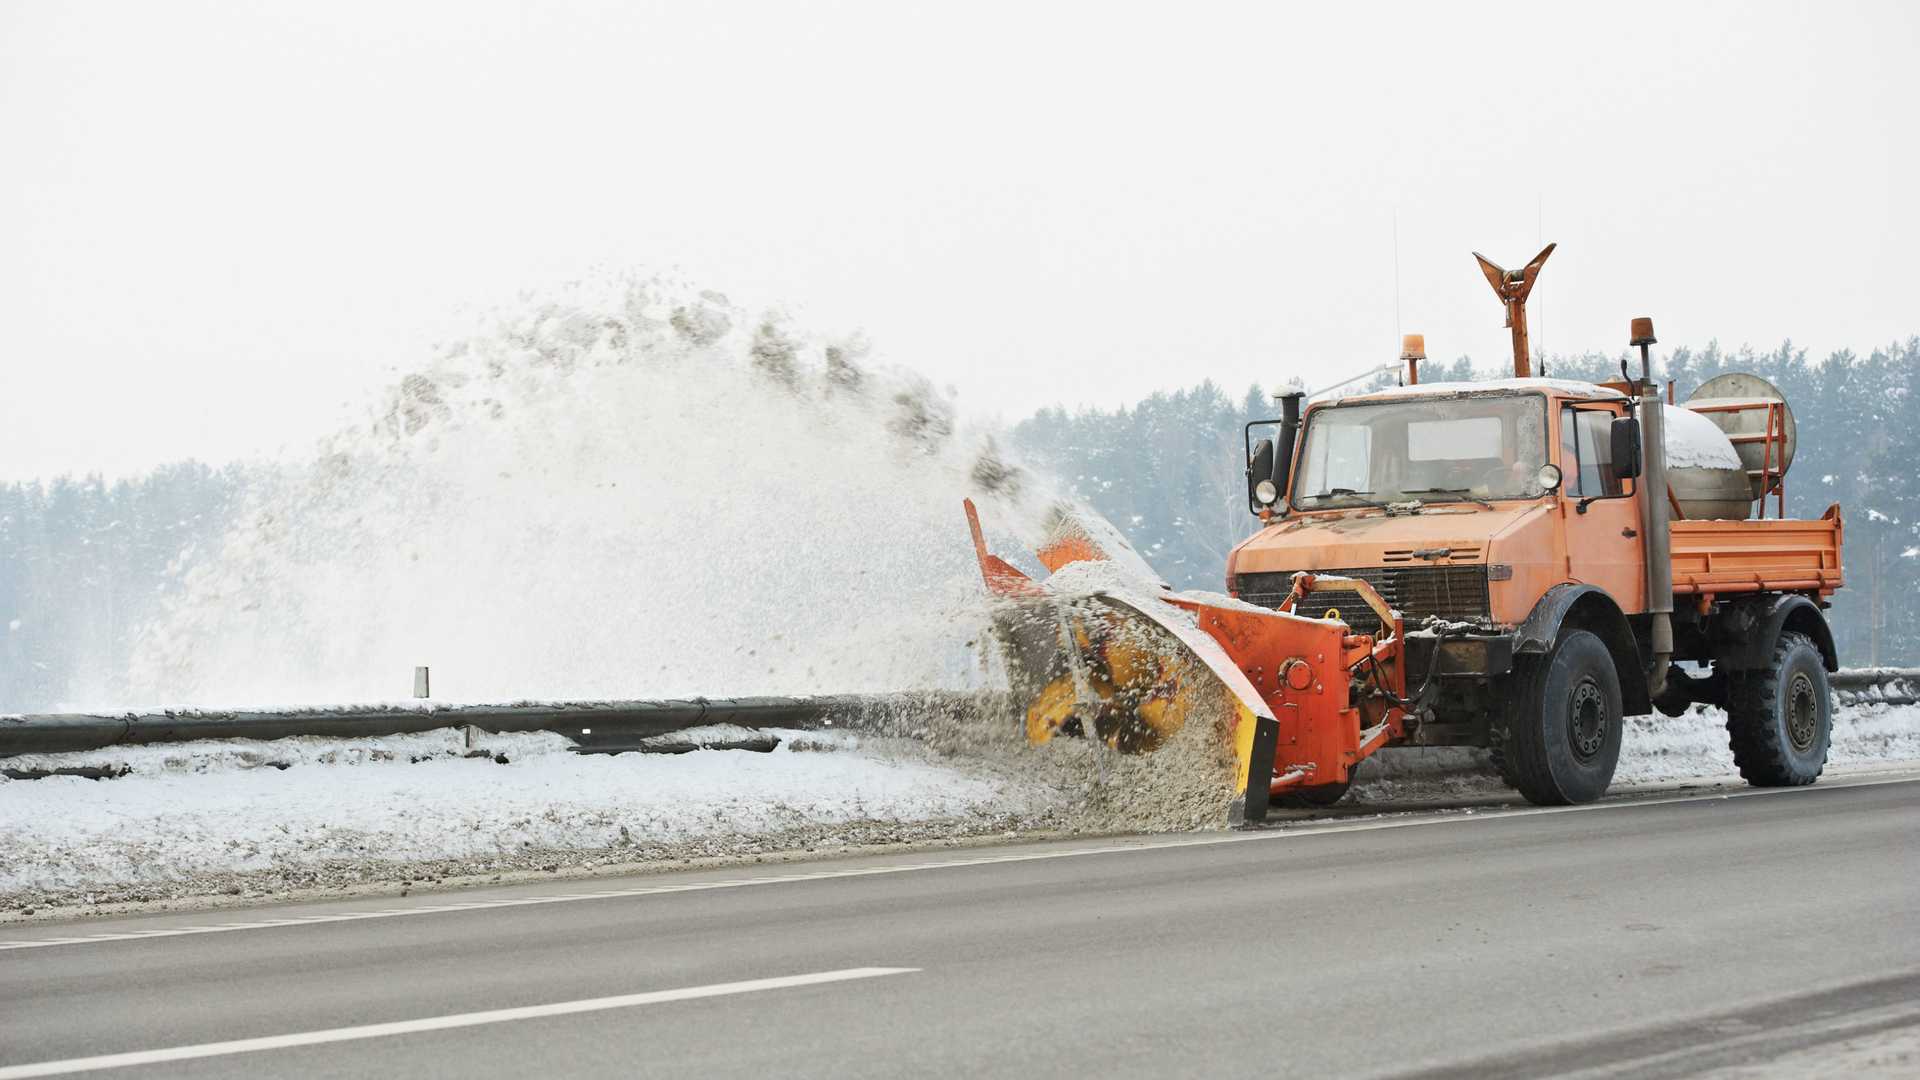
1654	750
244	818
1695	745
260	817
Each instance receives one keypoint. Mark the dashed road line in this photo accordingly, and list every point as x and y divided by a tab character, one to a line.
435	1023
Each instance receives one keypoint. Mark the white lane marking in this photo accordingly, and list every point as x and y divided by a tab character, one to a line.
1284	833
435	1023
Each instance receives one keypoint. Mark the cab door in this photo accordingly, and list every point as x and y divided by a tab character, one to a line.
1602	515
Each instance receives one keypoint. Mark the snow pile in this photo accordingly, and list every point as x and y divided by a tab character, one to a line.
1183	784
635	490
243	815
411	806
1657	748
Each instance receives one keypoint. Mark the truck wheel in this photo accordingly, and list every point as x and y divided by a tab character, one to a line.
1563	724
1780	720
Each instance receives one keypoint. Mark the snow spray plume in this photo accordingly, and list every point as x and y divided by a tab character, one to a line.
637	490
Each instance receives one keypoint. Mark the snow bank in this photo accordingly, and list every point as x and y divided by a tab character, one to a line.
240	815
1659	748
293	808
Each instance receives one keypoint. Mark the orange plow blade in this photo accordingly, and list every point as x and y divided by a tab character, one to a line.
1132	667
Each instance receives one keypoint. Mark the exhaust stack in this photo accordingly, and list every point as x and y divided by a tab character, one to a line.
1512	287
1653	510
1289	434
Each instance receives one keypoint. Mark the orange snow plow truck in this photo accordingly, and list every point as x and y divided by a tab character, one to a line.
1517	564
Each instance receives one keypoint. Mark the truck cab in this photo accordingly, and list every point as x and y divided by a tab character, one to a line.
1464	501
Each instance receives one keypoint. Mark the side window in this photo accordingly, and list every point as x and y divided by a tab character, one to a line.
1570	452
1586	450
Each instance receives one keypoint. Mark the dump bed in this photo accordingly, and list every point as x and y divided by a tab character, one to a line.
1717	557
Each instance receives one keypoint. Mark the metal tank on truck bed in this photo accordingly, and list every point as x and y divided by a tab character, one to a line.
1515	564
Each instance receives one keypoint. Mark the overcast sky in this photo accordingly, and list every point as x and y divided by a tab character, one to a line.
221	223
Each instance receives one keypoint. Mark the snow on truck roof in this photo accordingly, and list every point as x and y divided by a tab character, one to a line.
1567	387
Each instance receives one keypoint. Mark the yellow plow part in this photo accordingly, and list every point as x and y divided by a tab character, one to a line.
1128	671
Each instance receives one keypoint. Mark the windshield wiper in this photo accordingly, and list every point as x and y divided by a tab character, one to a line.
1349	493
1462	492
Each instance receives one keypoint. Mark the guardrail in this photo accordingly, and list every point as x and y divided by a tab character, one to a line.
1859	686
594	726
609	726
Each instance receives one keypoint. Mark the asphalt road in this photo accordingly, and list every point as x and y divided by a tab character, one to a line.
1647	937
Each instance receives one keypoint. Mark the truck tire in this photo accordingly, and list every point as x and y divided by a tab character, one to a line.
1564	720
1780	719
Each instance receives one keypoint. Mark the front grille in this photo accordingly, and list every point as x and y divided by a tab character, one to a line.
1416	592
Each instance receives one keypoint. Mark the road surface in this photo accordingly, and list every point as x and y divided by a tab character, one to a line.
1667	936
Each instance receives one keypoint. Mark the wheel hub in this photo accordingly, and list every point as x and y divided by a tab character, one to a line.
1587	720
1803	712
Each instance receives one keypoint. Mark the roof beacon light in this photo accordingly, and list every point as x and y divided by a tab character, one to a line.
1413	349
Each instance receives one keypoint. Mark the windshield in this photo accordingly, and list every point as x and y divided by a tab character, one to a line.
1449	449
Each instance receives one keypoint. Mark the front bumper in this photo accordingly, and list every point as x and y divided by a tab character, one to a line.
1475	656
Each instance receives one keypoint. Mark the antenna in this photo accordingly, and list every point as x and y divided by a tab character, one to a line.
1540	237
1396	271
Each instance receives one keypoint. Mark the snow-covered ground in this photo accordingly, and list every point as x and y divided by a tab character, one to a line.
228	817
255	817
1657	748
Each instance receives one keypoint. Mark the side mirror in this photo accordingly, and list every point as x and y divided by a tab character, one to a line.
1260	471
1624	434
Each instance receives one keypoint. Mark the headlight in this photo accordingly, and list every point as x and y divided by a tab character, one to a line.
1549	477
1266	492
